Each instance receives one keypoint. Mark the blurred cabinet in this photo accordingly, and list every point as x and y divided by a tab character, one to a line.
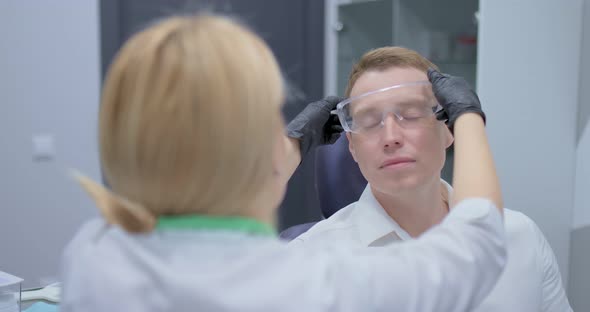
445	32
360	27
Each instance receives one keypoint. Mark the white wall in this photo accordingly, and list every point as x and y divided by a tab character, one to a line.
49	84
579	281
527	77
581	216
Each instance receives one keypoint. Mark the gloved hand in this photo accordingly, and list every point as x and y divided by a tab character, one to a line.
455	95
315	126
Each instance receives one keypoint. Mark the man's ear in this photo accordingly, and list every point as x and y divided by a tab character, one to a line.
351	146
448	137
279	157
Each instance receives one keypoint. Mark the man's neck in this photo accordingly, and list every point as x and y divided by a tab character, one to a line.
418	210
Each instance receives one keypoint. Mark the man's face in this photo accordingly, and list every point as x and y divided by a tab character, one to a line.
394	158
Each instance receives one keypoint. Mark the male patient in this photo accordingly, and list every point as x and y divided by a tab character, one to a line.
402	160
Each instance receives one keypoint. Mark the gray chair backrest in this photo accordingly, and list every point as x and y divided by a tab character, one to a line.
338	181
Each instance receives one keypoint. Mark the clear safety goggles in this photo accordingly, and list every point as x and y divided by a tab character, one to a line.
411	105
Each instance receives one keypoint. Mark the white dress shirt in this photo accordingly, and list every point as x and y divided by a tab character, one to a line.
531	281
223	269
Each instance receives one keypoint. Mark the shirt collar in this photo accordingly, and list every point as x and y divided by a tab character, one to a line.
215	223
373	222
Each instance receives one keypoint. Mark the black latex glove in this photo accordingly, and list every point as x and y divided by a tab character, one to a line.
315	126
455	95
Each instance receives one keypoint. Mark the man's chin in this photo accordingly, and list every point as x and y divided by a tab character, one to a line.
398	186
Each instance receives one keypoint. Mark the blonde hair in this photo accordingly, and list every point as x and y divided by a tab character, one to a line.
385	58
187	120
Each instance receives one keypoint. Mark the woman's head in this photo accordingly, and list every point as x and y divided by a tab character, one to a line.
188	121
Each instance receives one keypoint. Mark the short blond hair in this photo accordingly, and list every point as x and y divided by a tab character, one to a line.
385	58
187	119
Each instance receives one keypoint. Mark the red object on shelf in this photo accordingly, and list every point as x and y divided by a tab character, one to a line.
467	39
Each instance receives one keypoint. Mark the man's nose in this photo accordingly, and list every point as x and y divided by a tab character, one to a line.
392	132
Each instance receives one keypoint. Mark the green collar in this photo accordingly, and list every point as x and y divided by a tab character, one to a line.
203	222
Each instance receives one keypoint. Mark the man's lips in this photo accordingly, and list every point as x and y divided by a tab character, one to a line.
396	162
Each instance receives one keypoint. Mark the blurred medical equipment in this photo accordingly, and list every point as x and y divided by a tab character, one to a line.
10	292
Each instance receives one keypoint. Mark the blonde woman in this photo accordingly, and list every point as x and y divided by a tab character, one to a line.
192	145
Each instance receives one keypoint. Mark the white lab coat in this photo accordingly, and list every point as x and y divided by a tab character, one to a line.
452	268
